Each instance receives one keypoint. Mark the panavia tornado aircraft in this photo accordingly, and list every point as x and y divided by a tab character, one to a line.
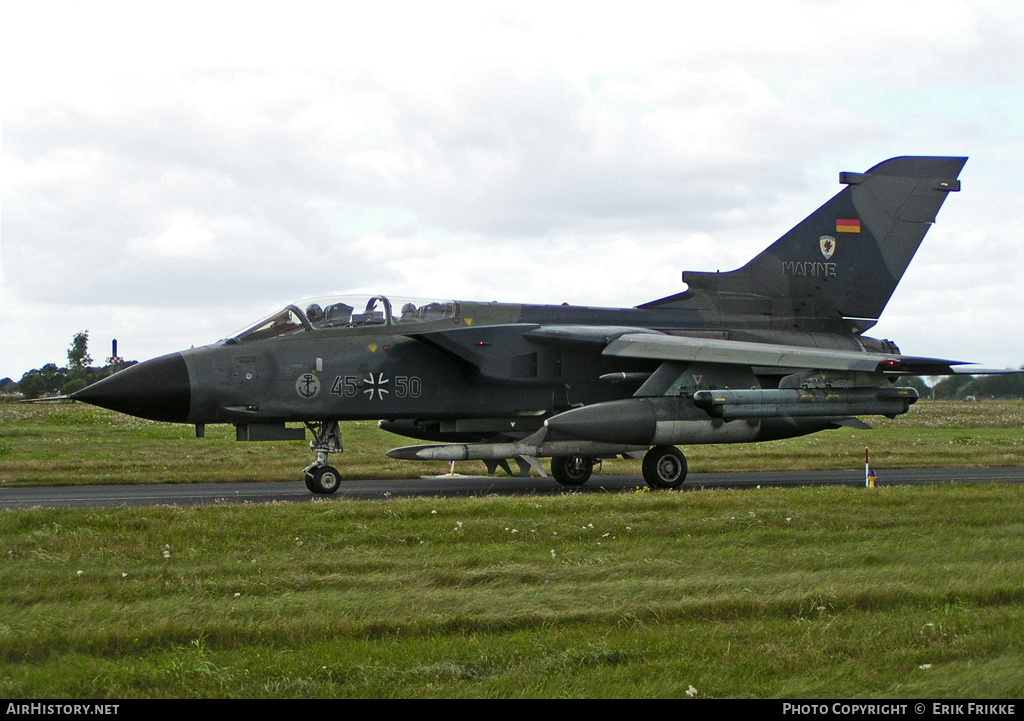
772	350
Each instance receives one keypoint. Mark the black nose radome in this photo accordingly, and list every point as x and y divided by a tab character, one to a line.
157	389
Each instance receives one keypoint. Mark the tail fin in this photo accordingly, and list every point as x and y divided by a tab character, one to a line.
840	265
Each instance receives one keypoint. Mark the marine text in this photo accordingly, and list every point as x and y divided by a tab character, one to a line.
823	270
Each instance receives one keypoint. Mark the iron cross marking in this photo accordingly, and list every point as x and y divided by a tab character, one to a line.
376	386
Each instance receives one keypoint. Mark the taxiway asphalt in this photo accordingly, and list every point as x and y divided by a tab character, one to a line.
197	494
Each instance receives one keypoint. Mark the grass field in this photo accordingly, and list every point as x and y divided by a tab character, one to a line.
78	444
831	592
792	593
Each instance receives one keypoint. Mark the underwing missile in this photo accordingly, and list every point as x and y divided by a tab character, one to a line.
741	404
684	421
500	451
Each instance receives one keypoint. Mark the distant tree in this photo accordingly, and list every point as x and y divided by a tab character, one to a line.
947	388
994	387
32	385
998	387
51	380
918	384
76	384
45	381
78	353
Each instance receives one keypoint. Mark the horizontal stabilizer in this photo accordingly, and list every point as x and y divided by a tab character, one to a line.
971	371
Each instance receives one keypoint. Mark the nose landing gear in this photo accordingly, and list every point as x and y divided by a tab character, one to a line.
321	478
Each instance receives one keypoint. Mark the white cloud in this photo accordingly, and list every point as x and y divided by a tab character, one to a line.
185	239
228	158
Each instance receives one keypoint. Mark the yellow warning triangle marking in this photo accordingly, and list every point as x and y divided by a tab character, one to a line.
373	349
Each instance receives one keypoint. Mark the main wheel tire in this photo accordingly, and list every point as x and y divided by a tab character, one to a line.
324	479
664	467
572	470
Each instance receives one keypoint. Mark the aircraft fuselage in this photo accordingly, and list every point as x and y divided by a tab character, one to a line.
773	349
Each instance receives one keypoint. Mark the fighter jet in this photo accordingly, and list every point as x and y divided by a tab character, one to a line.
772	350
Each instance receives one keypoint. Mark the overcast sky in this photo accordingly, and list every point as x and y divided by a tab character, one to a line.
173	171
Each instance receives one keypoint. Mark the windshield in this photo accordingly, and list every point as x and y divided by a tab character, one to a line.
346	312
283	322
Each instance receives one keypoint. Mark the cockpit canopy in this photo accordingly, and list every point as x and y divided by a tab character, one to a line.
346	312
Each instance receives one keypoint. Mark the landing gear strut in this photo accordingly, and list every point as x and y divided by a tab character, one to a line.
664	467
320	477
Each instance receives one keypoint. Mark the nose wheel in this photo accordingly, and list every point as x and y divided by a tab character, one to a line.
321	478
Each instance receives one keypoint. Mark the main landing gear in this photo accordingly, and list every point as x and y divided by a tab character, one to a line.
664	467
572	470
320	477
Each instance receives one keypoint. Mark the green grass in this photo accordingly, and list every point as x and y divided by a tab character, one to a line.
807	592
78	444
792	593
